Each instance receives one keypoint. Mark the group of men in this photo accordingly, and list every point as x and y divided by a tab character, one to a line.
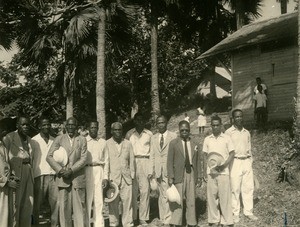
75	190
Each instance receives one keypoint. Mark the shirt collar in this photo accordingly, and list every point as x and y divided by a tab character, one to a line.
233	128
221	135
89	138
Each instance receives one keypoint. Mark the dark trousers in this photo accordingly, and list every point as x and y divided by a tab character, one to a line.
261	117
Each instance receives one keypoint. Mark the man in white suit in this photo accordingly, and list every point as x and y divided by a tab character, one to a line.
159	147
121	172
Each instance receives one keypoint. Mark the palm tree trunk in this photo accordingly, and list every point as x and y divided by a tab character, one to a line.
69	105
100	86
154	68
298	78
240	14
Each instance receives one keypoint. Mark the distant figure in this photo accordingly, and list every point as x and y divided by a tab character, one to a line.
264	87
186	118
201	120
260	108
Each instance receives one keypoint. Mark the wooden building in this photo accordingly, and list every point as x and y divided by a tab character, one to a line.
266	49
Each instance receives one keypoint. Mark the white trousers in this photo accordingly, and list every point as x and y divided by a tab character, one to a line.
94	193
242	184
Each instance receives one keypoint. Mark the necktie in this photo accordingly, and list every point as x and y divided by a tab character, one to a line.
188	168
161	141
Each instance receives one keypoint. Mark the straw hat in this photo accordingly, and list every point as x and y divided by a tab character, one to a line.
173	194
214	159
153	184
110	192
61	156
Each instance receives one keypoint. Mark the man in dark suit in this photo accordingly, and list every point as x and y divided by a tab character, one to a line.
70	178
184	165
159	147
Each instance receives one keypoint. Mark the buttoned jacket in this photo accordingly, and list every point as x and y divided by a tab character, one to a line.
121	163
176	160
158	155
16	153
77	157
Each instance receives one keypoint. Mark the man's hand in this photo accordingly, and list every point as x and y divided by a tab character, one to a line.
61	172
220	168
170	181
199	182
67	173
13	182
104	183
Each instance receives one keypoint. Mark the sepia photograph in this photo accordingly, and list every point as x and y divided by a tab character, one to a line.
149	113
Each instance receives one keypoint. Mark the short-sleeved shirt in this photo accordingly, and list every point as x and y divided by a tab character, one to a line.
264	88
221	144
140	142
261	100
241	140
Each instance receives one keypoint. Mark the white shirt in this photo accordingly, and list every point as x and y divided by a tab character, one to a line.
187	119
96	154
221	144
39	154
264	87
241	141
261	100
140	142
188	143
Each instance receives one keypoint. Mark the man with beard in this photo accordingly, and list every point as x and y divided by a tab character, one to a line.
70	178
19	146
44	176
241	173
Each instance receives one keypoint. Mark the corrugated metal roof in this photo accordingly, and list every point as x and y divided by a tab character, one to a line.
281	27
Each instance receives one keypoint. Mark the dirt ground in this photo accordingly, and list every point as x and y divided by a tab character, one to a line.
272	201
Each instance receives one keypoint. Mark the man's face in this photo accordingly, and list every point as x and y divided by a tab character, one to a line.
161	124
184	131
71	127
45	126
139	122
258	81
116	131
93	129
23	126
216	127
238	118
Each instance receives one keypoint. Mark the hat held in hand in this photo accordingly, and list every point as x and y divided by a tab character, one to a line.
214	159
110	192
173	194
61	156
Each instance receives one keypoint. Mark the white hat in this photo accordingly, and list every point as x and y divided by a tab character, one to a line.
214	159
111	192
153	184
173	194
61	156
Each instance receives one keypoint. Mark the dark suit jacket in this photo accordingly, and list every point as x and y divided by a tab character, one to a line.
176	160
77	155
